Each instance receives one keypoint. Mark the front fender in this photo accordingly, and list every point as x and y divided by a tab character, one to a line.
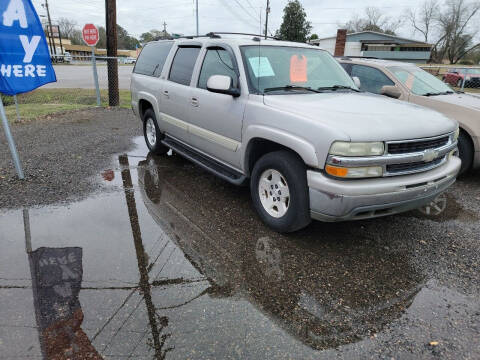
301	146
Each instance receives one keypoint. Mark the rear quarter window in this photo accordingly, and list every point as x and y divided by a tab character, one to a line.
152	58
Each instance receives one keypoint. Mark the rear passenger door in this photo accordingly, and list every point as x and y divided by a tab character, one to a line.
176	92
217	118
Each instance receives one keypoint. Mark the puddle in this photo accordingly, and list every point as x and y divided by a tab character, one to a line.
445	208
175	264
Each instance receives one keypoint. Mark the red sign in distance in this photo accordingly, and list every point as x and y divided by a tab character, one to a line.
90	34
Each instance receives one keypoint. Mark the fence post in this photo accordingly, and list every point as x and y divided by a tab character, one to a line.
463	83
95	75
11	142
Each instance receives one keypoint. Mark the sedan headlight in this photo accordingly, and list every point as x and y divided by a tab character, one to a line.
344	148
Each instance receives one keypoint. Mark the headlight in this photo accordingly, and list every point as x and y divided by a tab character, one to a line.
344	148
354	173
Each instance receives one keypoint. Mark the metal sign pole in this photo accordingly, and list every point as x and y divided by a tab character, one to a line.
95	75
16	107
11	142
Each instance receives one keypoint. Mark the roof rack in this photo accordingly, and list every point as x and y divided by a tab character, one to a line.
217	35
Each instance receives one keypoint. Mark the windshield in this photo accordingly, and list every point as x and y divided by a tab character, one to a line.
419	81
286	69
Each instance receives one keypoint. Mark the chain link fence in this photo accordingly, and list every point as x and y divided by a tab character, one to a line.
460	78
75	88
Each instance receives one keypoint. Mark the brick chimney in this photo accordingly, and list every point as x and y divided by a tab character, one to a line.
340	43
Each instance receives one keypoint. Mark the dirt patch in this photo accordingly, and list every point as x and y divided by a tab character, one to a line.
61	155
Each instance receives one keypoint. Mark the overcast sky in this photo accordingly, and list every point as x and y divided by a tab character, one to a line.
220	15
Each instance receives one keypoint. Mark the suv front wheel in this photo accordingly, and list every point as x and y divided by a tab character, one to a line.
152	133
280	191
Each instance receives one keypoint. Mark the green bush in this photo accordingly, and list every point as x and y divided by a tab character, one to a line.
7	100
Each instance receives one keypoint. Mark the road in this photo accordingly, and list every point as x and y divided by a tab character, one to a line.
81	76
110	252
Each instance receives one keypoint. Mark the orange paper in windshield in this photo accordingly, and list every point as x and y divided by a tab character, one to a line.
298	69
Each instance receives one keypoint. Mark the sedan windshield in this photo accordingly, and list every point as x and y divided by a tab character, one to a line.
281	69
419	81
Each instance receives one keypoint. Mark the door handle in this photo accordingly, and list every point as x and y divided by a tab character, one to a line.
194	102
166	94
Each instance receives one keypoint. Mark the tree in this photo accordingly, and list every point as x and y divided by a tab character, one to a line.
150	36
67	27
373	20
425	20
295	26
456	30
313	37
124	40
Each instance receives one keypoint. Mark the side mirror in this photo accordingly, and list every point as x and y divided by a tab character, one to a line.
391	91
222	84
357	82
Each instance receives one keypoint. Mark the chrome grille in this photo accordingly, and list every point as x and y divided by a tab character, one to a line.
416	146
413	167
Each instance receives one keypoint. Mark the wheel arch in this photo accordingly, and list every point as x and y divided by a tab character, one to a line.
268	140
147	101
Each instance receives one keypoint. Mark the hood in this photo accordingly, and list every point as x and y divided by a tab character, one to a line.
465	100
365	117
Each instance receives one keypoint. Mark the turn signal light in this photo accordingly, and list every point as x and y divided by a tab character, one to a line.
354	173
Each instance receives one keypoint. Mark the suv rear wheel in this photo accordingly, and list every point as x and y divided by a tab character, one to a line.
152	133
279	191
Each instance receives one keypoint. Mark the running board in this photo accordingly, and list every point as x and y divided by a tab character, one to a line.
205	162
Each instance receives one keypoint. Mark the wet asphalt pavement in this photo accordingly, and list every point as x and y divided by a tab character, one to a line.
163	260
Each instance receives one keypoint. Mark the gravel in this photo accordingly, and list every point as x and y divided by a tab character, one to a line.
63	155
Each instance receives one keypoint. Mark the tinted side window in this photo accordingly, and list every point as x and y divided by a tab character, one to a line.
152	58
183	64
347	67
217	62
371	79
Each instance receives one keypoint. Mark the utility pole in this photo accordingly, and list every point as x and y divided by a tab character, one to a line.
112	63
164	30
50	29
196	12
266	18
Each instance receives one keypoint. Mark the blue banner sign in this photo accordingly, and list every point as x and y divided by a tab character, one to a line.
25	62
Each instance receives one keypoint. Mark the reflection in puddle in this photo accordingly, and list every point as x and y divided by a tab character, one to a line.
445	207
323	299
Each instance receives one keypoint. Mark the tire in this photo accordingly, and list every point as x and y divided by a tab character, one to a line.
289	172
152	134
465	149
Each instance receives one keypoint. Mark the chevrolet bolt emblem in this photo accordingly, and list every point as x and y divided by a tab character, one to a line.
430	155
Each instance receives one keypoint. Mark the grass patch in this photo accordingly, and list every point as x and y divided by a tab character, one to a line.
43	102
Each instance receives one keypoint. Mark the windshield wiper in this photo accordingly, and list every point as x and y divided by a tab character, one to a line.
439	93
337	87
290	87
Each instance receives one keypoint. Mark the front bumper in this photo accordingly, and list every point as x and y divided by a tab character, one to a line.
340	200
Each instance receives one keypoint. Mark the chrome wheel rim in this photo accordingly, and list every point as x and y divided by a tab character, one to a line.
274	193
151	132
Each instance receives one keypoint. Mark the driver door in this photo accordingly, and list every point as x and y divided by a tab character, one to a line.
217	119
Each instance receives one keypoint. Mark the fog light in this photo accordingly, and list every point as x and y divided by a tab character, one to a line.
354	173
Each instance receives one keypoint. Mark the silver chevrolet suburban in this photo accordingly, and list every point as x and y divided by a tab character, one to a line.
288	119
